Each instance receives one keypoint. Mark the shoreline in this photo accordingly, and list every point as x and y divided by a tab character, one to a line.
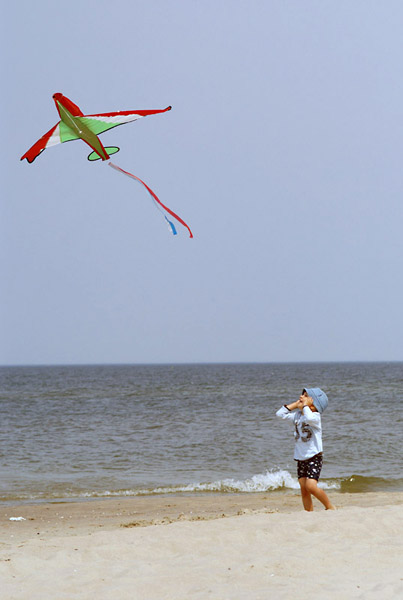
88	516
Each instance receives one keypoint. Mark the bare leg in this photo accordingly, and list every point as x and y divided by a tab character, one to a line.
306	496
311	486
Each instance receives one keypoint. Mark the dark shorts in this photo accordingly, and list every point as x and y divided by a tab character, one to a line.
311	467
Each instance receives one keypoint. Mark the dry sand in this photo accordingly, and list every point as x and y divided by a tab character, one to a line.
214	546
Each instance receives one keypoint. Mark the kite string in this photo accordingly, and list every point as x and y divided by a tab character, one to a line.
157	201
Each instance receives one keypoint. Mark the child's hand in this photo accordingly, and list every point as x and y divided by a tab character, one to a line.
304	401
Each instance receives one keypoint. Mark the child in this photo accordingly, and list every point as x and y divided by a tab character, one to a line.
308	442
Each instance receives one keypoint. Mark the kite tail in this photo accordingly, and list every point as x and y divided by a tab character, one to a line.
157	201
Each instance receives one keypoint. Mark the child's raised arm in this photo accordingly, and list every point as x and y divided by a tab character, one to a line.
285	412
313	418
294	405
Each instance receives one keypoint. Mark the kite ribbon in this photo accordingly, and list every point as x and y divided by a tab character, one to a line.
157	201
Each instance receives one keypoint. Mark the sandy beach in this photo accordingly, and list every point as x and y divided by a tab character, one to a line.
213	546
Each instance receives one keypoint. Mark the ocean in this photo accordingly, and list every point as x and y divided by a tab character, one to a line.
82	432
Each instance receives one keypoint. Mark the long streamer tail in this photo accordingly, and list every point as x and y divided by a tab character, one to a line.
157	201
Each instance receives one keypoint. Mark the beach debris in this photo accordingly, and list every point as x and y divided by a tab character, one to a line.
74	125
17	519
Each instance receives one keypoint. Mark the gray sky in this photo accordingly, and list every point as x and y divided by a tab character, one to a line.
283	152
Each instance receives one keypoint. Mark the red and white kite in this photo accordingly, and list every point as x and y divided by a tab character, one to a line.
74	125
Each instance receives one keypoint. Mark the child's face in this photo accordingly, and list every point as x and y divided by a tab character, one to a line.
307	400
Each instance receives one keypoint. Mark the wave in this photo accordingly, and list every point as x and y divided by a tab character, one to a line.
271	481
265	482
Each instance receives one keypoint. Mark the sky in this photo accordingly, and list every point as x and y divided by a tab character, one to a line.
283	152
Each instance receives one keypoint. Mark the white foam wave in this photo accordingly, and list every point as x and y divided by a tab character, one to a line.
257	483
264	482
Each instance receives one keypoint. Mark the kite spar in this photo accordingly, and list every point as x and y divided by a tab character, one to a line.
75	125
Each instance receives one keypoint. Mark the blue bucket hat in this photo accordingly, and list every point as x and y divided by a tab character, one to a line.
320	400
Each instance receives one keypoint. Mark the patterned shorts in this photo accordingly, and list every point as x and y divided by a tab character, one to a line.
311	467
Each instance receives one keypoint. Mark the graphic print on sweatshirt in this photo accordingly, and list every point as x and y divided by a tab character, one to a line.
302	431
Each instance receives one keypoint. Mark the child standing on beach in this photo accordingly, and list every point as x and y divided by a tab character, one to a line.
305	413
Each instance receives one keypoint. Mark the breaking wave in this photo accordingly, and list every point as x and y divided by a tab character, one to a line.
265	482
271	481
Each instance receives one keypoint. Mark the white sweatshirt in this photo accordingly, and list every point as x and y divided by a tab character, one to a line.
308	431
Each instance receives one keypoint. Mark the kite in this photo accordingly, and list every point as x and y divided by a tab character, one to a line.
74	125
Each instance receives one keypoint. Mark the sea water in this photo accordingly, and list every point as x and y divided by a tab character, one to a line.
96	431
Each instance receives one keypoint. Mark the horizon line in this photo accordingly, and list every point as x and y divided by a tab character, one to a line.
196	363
